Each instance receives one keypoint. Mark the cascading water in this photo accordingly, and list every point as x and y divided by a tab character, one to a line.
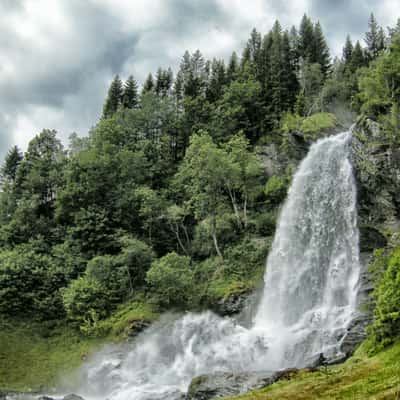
308	301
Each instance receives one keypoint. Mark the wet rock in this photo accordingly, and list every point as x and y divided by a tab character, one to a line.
232	304
73	397
371	239
135	327
355	334
225	384
45	398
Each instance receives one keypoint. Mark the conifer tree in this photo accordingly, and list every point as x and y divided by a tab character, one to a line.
306	40
233	67
321	50
374	38
217	80
357	57
12	161
114	98
347	50
148	85
130	93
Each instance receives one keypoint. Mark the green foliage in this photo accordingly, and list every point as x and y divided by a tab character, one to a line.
312	126
276	189
171	278
360	378
30	283
86	302
386	326
114	98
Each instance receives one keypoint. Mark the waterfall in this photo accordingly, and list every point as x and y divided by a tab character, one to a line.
308	301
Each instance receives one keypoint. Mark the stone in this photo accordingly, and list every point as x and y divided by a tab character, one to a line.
225	384
371	239
72	397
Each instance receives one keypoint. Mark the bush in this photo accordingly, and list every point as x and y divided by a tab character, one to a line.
386	325
171	278
86	302
275	190
30	283
266	224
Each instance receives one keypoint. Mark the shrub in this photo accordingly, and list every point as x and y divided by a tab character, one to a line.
275	190
171	278
386	325
86	302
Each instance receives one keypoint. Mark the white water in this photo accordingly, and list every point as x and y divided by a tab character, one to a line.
309	297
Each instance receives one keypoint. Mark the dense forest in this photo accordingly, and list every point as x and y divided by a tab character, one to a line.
166	202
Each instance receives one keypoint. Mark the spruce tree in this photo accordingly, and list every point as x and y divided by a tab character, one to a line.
217	80
374	38
114	98
357	57
347	51
306	40
11	162
233	67
148	85
321	50
130	94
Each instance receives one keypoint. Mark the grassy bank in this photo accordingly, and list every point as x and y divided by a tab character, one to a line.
360	378
33	357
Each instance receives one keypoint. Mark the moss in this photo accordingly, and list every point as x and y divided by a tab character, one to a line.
360	378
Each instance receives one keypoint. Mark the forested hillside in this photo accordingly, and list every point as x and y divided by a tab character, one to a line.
168	203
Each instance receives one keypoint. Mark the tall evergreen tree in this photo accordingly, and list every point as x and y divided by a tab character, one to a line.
233	67
12	160
148	85
217	80
114	98
306	40
357	57
347	50
130	93
321	50
374	38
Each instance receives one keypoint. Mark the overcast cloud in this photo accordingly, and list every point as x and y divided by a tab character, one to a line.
57	57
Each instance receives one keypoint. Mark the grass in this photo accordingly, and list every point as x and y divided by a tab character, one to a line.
33	358
360	378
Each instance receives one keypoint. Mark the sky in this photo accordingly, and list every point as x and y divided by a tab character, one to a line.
57	57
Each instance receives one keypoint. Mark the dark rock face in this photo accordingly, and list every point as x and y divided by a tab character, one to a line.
355	334
377	171
232	304
225	384
73	397
371	239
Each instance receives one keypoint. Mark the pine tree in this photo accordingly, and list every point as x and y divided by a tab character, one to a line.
217	80
321	50
374	38
130	94
233	67
11	162
306	40
114	98
357	57
148	85
347	50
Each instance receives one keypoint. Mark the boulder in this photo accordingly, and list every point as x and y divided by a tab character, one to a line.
355	334
72	397
225	384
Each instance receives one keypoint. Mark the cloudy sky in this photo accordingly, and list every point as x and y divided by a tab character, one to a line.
57	57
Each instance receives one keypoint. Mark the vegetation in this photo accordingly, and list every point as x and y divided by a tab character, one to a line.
166	204
360	378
